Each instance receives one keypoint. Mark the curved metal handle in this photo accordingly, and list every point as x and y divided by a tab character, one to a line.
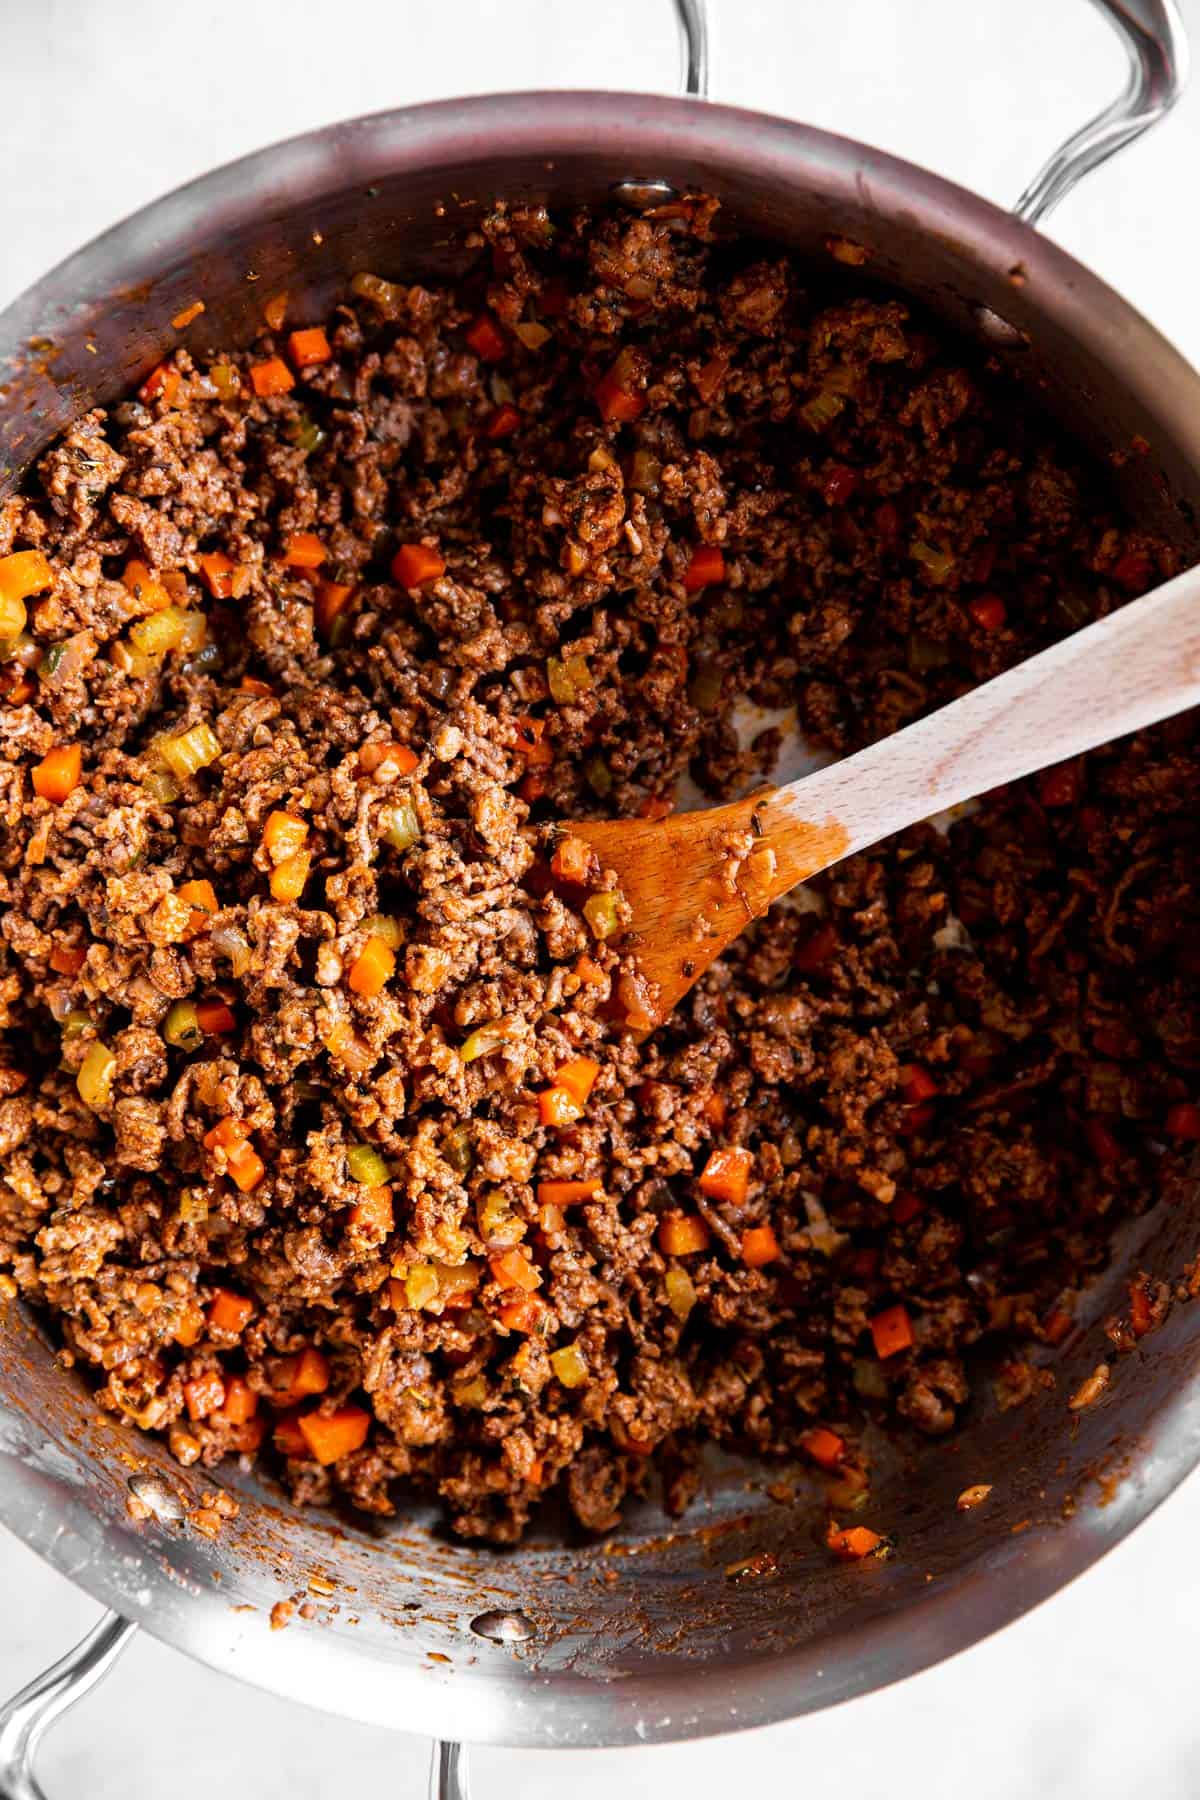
1155	43
448	1772
693	34
43	1702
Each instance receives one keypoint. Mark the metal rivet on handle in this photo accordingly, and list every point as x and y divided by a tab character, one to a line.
157	1497
640	196
998	331
504	1627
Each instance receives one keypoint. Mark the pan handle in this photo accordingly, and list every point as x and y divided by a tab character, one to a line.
38	1706
1155	44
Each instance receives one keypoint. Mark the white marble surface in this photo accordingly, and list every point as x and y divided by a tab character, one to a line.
103	106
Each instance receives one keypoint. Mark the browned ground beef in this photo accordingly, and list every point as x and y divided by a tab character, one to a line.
896	524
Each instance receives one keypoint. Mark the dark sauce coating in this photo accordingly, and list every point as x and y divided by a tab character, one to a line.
953	1064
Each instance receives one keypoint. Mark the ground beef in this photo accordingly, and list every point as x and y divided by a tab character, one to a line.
323	1138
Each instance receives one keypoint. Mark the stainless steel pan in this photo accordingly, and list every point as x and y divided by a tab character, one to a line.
640	1638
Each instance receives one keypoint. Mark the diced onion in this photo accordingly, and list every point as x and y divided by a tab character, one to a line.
96	1074
400	826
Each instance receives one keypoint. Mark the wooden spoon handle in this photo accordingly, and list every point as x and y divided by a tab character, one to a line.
1131	669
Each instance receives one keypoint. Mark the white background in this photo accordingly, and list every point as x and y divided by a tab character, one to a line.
106	103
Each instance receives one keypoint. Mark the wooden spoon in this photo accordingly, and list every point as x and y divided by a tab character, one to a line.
695	880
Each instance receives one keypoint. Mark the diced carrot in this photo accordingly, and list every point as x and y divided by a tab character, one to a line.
372	969
573	858
224	579
530	741
825	1447
331	600
522	1314
917	1084
532	786
1141	1313
250	684
374	1214
760	1246
1060	786
415	564
501	422
818	951
1183	1121
248	1437
853	1543
331	1436
486	338
1133	571
372	756
289	877
240	1402
838	484
23	573
301	1375
201	896
151	593
230	1312
203	1395
618	406
656	806
1057	1325
1103	1145
567	1193
310	347
226	1134
557	1107
892	1332
682	1234
589	972
706	568
714	1110
271	378
283	835
183	319
275	311
189	1328
988	611
304	550
68	959
578	1077
215	1018
161	384
512	1270
726	1174
711	376
289	1439
58	773
535	1473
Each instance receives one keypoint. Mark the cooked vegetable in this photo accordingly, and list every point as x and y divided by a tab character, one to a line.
568	1193
271	378
825	1447
558	1108
760	1246
24	573
215	1018
682	1234
568	678
486	339
892	1332
331	602
171	629
618	394
243	1163
726	1175
190	752
68	959
853	1542
224	579
372	969
401	828
365	1165
513	1270
289	878
569	1365
203	1395
415	564
373	1214
301	1376
706	569
681	1292
181	1027
230	1312
96	1074
331	1436
283	835
603	914
58	774
309	348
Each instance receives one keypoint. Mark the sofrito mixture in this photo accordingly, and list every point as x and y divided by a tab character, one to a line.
323	1137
